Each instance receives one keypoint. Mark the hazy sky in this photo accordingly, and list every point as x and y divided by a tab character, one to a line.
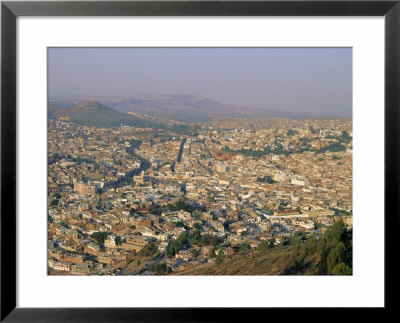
316	80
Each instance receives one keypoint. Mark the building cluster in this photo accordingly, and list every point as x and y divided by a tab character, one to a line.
123	200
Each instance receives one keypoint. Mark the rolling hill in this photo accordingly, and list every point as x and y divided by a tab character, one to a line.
93	113
179	107
190	108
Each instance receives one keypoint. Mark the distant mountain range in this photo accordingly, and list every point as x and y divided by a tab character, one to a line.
177	107
93	113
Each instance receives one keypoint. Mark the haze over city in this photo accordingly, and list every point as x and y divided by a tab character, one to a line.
314	81
200	161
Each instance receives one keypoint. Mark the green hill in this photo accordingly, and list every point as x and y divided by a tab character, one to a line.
331	254
93	113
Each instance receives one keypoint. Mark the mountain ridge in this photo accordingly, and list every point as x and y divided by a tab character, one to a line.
181	107
93	113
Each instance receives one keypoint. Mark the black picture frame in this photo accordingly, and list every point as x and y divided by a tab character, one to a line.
10	10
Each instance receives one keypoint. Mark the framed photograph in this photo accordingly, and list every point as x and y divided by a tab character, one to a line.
187	160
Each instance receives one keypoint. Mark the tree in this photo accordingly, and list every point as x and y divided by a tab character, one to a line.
335	256
205	240
99	201
118	241
155	256
212	253
179	205
56	156
148	250
271	244
268	211
196	237
286	241
170	252
266	179
177	244
54	203
245	246
345	135
57	195
100	237
336	231
211	199
220	258
263	246
215	240
160	268
341	269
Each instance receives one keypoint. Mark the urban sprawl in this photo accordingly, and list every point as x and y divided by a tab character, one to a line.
139	201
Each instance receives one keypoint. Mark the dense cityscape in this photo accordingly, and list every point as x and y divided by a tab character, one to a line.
187	198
